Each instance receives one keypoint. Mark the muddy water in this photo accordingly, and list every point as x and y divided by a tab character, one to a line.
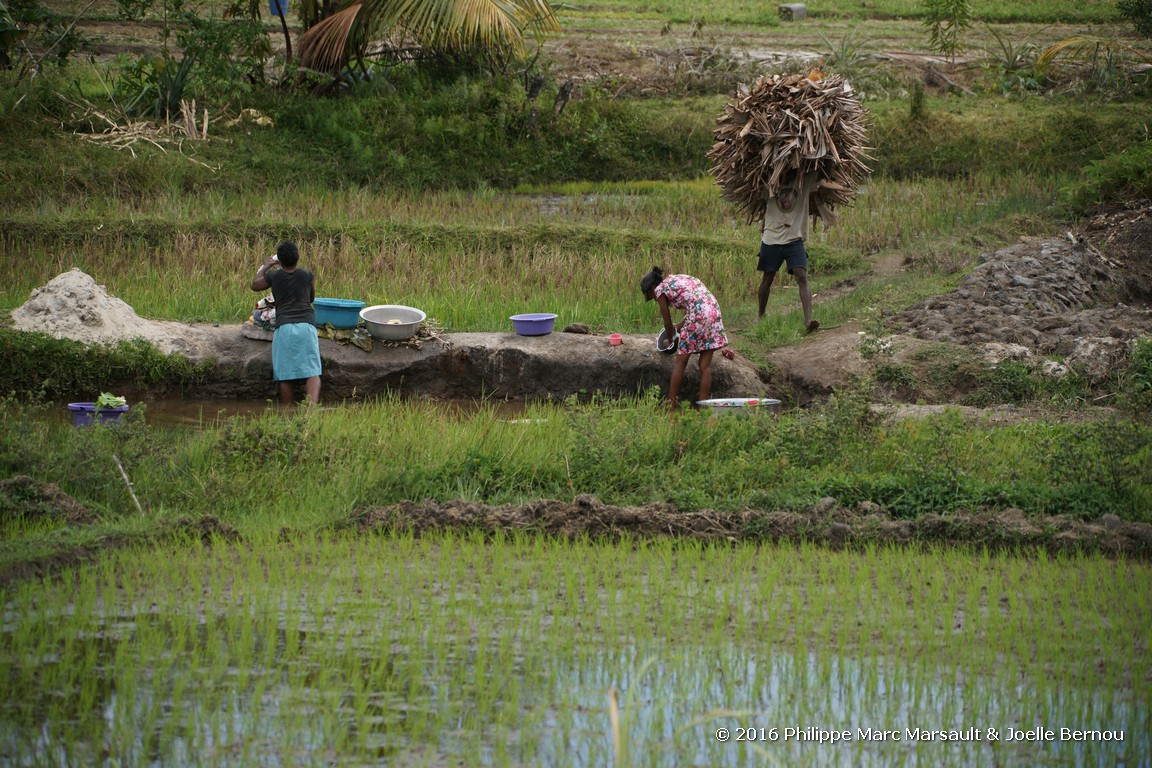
210	413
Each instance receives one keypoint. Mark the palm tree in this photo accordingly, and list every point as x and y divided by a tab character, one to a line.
495	27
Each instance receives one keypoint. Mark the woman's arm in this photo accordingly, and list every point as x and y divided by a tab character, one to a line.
260	281
669	329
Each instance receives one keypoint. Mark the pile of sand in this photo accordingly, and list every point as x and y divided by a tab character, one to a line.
73	306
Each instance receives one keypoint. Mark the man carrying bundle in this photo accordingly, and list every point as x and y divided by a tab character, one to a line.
788	148
783	230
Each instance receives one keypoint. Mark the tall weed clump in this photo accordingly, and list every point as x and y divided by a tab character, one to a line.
1137	386
1122	176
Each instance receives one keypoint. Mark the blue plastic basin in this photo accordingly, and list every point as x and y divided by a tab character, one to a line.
341	313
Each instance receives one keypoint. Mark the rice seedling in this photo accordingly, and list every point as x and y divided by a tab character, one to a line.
363	649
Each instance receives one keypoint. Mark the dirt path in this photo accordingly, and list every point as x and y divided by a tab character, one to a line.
829	359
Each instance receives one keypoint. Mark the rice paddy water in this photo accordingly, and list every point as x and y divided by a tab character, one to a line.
456	649
177	412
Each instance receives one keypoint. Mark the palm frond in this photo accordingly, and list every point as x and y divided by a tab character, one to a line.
1086	47
462	23
498	25
325	47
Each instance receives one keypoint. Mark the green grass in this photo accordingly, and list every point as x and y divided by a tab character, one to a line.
472	260
626	453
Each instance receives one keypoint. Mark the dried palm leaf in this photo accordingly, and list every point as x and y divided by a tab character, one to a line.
789	123
325	47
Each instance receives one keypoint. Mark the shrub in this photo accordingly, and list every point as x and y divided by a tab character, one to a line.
896	375
1137	388
1139	12
1008	381
1122	176
1114	455
36	365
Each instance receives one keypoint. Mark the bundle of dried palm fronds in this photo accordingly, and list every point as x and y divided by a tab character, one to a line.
807	123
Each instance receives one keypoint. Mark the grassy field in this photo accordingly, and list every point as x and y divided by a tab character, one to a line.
470	261
748	13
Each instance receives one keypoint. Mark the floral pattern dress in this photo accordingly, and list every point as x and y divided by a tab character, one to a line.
703	327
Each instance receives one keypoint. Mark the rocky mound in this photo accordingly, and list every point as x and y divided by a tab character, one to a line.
1054	298
1080	298
1061	297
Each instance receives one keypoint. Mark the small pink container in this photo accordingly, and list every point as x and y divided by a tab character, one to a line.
615	339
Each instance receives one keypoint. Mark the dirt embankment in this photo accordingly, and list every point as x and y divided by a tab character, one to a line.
25	500
449	366
1066	304
827	522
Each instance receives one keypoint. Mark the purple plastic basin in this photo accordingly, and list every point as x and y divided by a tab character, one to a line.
87	413
533	324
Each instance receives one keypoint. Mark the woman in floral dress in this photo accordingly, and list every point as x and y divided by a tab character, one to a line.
700	332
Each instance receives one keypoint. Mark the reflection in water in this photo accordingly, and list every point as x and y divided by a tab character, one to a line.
802	710
205	413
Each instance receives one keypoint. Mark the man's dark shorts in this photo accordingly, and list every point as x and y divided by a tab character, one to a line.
772	257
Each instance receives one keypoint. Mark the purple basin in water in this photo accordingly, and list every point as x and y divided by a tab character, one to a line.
84	414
